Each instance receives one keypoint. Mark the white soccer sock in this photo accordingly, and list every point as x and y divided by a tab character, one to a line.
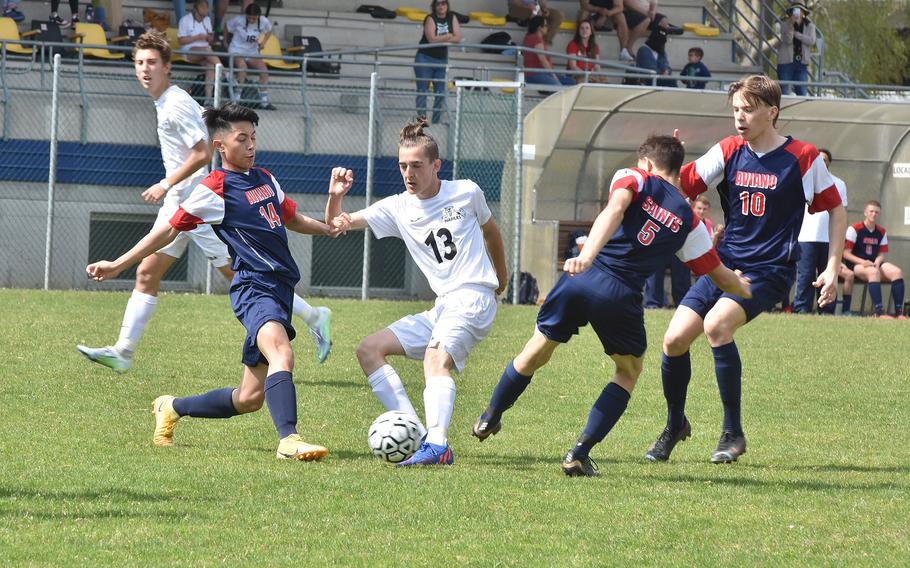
139	310
387	387
304	311
439	402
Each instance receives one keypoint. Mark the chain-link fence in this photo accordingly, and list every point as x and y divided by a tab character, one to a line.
107	154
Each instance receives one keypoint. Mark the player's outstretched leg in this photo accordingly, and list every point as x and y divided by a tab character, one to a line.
606	412
514	380
319	320
372	354
168	410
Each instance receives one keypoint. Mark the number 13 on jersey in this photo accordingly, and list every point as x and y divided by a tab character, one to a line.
448	245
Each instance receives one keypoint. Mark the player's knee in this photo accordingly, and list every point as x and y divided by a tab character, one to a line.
147	281
718	330
369	352
675	344
249	401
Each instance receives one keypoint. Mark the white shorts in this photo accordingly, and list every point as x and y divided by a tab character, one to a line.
204	236
458	321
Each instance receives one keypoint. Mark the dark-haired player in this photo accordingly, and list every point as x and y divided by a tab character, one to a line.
645	222
764	180
251	215
454	240
185	152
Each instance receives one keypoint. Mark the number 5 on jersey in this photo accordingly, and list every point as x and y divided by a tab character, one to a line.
447	243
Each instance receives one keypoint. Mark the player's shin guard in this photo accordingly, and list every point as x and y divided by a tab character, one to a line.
439	402
729	370
675	373
388	388
897	292
281	398
213	404
610	405
875	292
138	312
511	385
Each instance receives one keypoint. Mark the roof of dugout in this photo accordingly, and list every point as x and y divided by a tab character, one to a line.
576	139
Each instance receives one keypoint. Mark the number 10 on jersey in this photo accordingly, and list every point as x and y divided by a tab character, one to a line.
448	244
753	203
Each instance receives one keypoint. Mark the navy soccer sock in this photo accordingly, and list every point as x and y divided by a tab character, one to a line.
281	398
675	373
213	404
847	303
897	292
511	385
729	370
606	411
875	292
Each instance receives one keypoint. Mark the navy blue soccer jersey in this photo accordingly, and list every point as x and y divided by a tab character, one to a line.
763	197
864	243
247	211
657	224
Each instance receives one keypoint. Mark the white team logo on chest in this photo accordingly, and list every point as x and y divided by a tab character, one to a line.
449	213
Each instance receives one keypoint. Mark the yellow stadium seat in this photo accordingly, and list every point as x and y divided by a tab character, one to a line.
404	10
478	15
568	25
273	48
417	16
176	57
493	20
707	31
691	26
10	31
93	34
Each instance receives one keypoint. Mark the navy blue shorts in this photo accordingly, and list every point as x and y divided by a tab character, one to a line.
769	286
612	308
257	300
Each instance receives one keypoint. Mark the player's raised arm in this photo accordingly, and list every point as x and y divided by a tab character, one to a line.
155	240
339	184
492	237
621	196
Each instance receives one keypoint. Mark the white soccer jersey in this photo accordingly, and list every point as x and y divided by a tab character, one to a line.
180	127
245	36
189	26
442	233
815	227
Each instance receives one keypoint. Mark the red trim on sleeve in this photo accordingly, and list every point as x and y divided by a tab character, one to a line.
288	209
215	182
705	263
805	153
690	181
825	201
729	145
630	183
183	221
882	248
849	245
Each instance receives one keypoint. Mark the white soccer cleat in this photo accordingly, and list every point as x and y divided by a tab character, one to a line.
322	334
108	356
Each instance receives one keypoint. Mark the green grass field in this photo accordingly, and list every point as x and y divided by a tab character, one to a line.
825	480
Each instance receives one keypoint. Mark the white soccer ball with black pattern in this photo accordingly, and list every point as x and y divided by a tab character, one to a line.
394	436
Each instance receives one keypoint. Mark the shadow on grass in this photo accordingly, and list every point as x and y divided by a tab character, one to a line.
837	467
92	495
814	485
27	513
336	384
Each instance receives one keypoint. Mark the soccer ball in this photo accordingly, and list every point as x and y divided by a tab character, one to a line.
394	436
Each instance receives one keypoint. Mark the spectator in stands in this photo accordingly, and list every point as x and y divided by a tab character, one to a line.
584	45
74	13
11	10
864	253
702	208
248	33
653	54
195	35
797	36
641	17
598	11
813	254
695	68
537	29
440	26
522	11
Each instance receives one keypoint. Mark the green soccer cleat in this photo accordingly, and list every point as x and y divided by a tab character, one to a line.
107	356
322	334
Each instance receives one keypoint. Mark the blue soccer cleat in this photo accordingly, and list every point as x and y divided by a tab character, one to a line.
430	454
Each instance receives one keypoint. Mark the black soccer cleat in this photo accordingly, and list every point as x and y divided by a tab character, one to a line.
660	450
483	428
583	466
729	448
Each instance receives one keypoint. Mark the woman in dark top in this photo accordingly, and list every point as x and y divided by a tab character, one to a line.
440	26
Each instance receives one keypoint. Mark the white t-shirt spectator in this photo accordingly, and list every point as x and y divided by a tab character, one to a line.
245	36
189	27
815	227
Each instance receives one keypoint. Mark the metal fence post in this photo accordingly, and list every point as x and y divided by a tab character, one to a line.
51	174
456	143
371	152
518	156
216	101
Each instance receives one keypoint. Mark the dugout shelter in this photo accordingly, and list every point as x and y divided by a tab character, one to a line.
576	139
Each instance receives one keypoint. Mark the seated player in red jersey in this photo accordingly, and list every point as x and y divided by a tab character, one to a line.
864	253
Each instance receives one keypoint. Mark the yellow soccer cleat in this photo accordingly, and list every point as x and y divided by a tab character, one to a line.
293	447
165	420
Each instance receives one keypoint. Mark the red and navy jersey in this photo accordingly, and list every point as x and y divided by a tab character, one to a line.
657	224
247	210
763	197
864	243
